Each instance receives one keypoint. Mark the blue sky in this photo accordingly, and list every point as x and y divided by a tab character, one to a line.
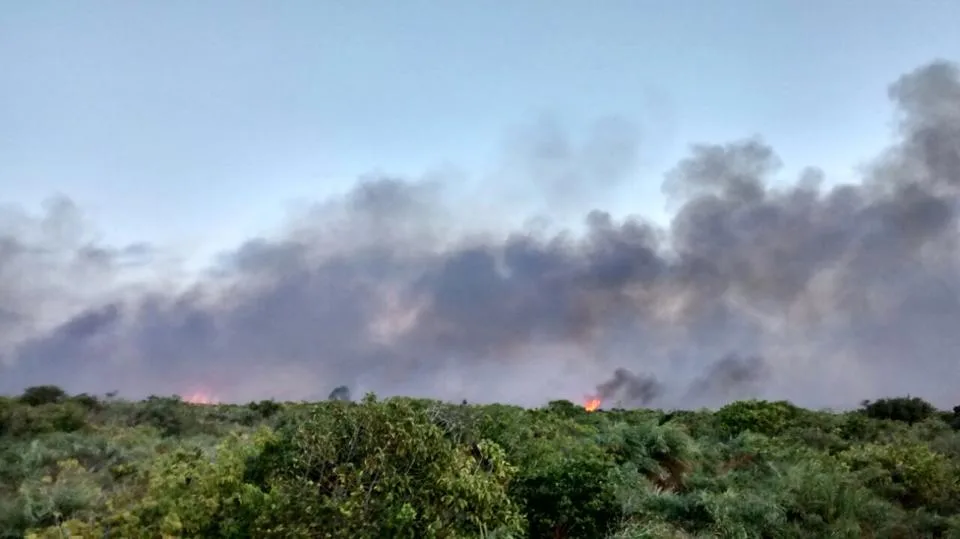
198	123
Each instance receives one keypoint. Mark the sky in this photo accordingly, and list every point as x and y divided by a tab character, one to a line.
670	203
196	124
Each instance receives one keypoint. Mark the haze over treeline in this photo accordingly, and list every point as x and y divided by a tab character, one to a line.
761	285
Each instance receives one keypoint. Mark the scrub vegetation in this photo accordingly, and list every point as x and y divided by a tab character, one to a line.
85	466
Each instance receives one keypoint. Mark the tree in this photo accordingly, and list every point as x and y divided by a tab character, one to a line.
381	469
909	410
39	395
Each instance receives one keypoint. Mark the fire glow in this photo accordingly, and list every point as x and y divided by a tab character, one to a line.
200	397
591	404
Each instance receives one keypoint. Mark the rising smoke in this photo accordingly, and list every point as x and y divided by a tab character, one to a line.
628	388
824	296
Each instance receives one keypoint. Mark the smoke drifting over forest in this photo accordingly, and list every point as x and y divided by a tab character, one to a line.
820	295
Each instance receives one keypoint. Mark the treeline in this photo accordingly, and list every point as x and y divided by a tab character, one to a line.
92	467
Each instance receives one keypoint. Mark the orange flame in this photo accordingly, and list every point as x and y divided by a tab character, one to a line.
592	404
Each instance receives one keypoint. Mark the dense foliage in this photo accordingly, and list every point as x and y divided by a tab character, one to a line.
81	466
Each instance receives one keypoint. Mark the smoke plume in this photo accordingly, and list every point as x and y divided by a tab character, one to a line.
339	393
846	292
630	389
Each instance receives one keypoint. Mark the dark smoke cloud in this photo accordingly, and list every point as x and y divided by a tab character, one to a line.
846	292
627	388
339	393
730	376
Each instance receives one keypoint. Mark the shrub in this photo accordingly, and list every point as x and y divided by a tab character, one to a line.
266	408
169	415
382	469
762	417
909	410
32	420
909	473
40	395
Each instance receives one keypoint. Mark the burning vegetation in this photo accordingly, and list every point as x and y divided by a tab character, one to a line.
591	404
200	398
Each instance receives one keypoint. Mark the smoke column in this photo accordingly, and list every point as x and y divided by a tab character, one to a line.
824	296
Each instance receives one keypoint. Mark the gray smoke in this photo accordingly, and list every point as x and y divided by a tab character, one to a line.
339	393
729	377
627	388
847	292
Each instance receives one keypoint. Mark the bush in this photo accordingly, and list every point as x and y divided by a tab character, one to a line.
78	466
762	417
32	420
40	395
266	408
89	402
910	474
909	410
169	415
382	469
